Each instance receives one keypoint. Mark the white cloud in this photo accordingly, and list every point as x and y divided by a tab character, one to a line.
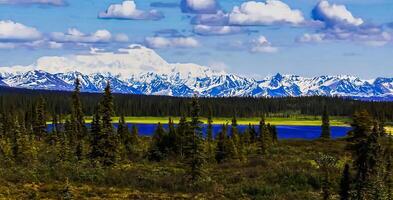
217	30
73	35
128	10
179	42
41	2
199	6
262	45
315	37
260	13
333	14
12	31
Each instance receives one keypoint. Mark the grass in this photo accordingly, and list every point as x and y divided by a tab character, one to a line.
389	129
293	121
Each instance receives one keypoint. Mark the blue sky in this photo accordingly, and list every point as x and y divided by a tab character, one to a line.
255	38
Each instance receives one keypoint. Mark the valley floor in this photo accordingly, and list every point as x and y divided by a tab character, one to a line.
290	121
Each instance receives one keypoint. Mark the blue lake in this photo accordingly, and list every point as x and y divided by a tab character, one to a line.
284	132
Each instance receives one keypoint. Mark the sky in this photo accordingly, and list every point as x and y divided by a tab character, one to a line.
252	38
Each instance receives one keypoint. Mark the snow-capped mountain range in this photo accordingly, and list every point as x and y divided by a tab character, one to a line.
139	70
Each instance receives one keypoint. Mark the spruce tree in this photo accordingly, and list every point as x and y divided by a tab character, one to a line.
158	151
39	127
96	136
262	146
209	131
326	133
77	121
220	149
345	184
196	155
108	143
124	137
181	130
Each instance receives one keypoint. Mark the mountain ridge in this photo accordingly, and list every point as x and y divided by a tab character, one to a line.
140	70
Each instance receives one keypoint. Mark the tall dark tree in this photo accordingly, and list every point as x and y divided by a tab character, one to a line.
367	159
158	150
39	127
77	121
196	154
345	184
209	131
326	133
221	140
105	144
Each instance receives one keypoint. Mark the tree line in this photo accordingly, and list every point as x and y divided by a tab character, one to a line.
141	105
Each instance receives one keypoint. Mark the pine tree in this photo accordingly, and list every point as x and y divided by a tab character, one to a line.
158	151
96	136
262	146
105	145
196	155
181	130
124	137
17	142
220	149
367	158
345	184
77	121
209	131
326	133
39	127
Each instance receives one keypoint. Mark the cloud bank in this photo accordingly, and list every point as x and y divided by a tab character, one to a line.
13	31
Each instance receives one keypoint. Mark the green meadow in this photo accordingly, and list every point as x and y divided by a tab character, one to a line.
290	121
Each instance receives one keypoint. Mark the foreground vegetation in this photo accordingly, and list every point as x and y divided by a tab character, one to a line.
101	162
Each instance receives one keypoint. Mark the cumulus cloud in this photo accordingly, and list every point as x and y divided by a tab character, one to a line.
334	15
199	6
341	25
217	30
39	2
13	31
261	13
177	42
128	10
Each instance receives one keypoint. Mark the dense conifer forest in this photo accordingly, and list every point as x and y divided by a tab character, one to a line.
57	102
73	161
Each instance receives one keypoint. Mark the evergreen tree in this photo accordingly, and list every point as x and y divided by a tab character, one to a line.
181	130
262	146
77	121
124	137
158	151
96	136
326	133
220	149
39	127
196	155
209	131
345	184
105	146
17	142
367	154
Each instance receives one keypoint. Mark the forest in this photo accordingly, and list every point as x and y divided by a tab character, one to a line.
57	102
101	161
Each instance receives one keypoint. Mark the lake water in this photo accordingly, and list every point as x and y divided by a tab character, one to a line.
284	132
